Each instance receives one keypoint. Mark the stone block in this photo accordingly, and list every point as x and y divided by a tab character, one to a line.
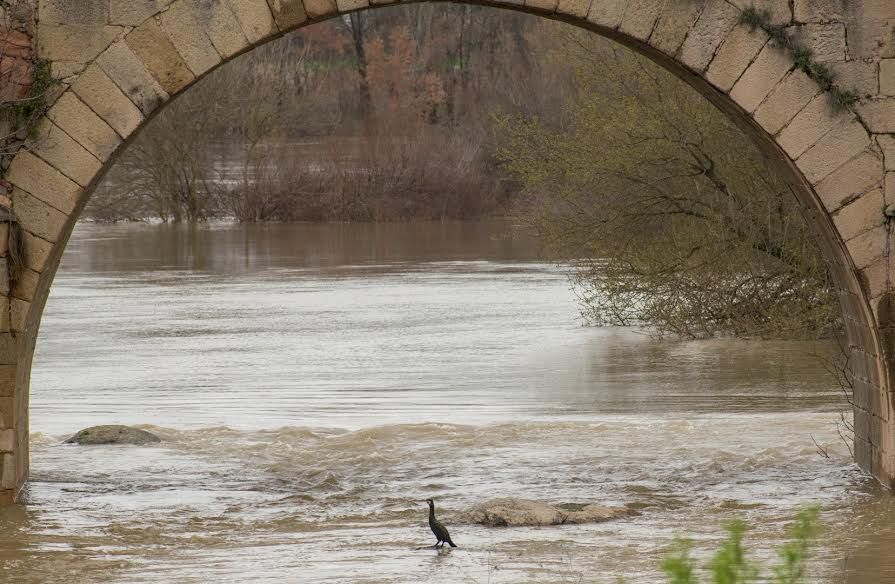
832	151
134	12
858	76
577	8
711	28
4	238
290	13
187	29
736	53
875	278
130	74
37	217
255	18
155	49
7	380
7	440
826	41
31	174
870	33
101	95
62	70
37	251
606	13
26	286
349	5
548	6
819	10
63	153
886	144
640	18
785	101
222	27
75	42
7	408
768	69
863	214
19	315
854	178
8	476
87	128
8	349
887	77
868	247
674	24
812	123
73	11
879	115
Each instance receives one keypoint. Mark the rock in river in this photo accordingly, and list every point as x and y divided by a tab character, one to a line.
511	512
113	434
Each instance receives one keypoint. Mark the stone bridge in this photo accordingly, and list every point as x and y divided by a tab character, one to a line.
118	62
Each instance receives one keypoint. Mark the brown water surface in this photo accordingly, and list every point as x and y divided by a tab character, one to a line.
313	383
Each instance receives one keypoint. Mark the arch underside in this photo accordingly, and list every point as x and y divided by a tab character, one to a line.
133	57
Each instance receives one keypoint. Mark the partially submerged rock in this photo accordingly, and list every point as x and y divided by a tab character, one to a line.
512	512
113	434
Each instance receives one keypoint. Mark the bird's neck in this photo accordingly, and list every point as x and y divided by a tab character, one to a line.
431	512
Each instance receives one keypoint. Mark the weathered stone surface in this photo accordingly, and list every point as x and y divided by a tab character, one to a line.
130	74
87	128
7	440
187	32
855	177
887	77
155	49
8	476
771	65
290	13
512	512
543	5
577	8
349	5
786	100
889	188
255	18
858	76
708	33
31	174
61	70
832	151
113	434
19	314
868	247
134	12
886	143
26	286
861	215
38	217
73	11
736	53
37	251
673	25
62	152
879	115
221	26
101	95
779	10
826	41
809	125
819	10
607	13
77	42
870	32
640	18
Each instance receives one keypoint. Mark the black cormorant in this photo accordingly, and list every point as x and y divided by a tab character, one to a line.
438	529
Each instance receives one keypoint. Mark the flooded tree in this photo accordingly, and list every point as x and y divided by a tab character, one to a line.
669	215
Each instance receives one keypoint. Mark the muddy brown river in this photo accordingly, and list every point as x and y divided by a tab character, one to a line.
314	383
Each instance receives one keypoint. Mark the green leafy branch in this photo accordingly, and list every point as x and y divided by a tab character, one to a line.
802	56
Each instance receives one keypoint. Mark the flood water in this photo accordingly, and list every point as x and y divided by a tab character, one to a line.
314	383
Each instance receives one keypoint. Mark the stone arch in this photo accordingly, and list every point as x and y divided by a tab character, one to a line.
120	61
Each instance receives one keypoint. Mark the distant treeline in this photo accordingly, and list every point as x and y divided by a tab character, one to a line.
376	116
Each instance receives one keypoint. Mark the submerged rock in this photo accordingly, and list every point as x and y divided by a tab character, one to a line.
512	512
113	434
